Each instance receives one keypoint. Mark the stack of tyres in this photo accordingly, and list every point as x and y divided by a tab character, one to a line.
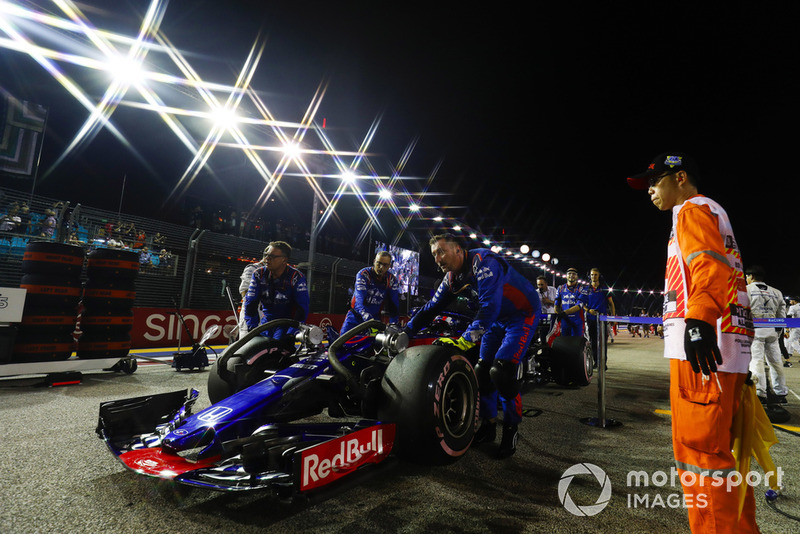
108	296
51	274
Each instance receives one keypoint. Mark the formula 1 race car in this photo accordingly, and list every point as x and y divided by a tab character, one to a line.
386	400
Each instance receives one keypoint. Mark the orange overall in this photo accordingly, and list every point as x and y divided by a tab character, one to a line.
705	281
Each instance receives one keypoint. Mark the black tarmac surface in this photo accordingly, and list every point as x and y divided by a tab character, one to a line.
57	476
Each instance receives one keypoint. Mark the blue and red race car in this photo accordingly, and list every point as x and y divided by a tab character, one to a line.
386	400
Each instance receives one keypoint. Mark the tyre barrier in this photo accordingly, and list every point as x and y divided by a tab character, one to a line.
51	276
29	351
94	346
46	322
109	322
106	263
45	257
108	296
49	291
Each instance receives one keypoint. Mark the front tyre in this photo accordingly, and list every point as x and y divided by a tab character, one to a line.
431	394
250	364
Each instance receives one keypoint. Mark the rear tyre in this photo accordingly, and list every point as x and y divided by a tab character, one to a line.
431	394
575	358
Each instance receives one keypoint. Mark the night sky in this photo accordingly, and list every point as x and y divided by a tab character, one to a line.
536	114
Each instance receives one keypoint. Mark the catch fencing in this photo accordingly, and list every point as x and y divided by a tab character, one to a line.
196	265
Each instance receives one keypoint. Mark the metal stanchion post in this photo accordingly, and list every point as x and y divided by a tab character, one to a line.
601	420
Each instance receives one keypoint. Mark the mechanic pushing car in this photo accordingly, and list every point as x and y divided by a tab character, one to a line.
281	290
375	286
505	325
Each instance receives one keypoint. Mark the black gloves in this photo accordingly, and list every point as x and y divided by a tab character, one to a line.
700	345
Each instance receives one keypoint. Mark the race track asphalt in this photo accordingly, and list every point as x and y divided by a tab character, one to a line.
57	476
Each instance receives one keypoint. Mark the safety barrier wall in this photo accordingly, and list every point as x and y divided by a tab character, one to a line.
163	327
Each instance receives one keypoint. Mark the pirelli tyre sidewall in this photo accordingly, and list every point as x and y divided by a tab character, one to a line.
574	357
232	373
431	394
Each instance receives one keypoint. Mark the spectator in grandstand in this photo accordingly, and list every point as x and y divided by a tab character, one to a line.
374	287
597	301
144	259
120	232
505	325
49	223
569	305
547	296
130	235
25	219
158	240
165	259
766	302
281	290
74	239
140	240
10	222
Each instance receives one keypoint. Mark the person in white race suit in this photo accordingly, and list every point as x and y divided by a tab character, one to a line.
766	302
794	333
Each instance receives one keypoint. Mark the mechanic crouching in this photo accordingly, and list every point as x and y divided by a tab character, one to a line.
505	324
281	290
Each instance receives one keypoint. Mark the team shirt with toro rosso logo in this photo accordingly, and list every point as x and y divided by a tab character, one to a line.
569	296
370	295
501	292
282	297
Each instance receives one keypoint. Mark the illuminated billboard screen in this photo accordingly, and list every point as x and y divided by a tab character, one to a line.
405	266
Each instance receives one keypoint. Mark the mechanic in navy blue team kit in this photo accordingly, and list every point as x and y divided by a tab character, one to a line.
569	306
597	301
375	286
281	290
505	324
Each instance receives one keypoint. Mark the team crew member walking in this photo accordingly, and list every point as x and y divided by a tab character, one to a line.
281	290
766	302
505	325
569	306
375	286
707	334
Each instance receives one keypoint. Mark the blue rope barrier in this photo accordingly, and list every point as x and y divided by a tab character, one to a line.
758	323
